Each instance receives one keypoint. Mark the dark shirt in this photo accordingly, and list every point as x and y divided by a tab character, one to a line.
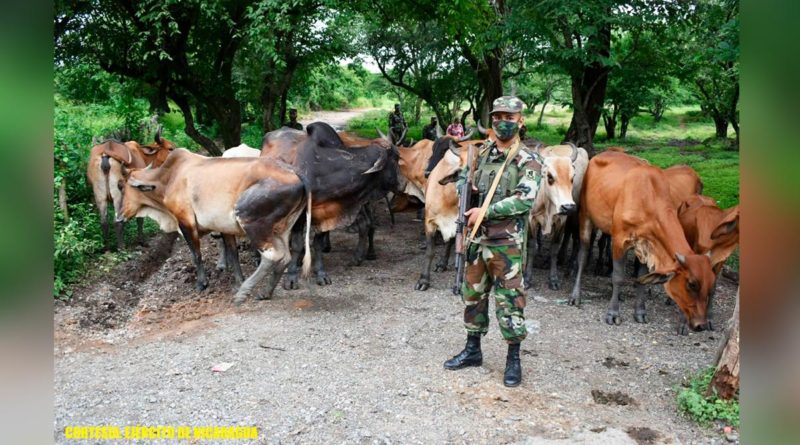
296	125
429	132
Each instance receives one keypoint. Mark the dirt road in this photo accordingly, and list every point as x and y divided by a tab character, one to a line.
336	119
360	361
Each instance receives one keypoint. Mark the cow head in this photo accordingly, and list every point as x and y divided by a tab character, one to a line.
558	174
387	166
690	286
156	152
709	228
143	195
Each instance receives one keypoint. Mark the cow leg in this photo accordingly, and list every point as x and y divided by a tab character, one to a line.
140	231
264	267
424	281
193	241
601	245
319	266
554	283
232	255
291	281
119	226
326	245
272	280
617	279
640	310
222	259
371	256
533	247
441	265
585	231
361	247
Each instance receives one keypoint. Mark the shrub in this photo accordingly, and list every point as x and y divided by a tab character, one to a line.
694	403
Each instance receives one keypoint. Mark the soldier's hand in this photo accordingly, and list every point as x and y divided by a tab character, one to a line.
472	216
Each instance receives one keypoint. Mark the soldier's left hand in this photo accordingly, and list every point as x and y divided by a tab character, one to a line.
472	216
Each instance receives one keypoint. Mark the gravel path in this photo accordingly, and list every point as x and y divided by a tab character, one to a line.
360	361
337	119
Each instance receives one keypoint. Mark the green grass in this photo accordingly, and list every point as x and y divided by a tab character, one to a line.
365	124
693	402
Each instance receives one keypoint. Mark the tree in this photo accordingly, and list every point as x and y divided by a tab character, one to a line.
183	50
577	38
726	377
713	69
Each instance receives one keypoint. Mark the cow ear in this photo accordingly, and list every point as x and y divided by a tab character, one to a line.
682	208
656	277
149	151
449	178
728	224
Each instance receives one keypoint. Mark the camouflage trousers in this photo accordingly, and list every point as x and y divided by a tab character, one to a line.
499	267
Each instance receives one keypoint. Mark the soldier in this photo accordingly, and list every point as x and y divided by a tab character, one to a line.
397	125
429	131
494	257
293	120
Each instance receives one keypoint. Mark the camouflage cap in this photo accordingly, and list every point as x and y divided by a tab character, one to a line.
507	104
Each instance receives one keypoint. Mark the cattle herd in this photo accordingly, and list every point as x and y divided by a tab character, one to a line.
322	180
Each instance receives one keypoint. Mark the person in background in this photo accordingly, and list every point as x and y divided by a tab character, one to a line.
293	120
397	125
455	129
429	131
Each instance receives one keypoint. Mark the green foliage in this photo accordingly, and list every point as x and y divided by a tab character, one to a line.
366	124
703	409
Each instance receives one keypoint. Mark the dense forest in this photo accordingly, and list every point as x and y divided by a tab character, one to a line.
217	74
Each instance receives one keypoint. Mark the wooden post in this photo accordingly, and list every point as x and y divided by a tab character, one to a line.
726	377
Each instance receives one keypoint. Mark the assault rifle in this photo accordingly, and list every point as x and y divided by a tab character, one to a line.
464	201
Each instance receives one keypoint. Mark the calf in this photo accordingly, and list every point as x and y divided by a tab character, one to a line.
710	229
104	171
630	200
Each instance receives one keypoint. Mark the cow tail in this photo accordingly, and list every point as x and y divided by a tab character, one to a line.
307	256
105	167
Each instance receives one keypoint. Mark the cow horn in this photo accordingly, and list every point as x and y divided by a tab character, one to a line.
467	136
411	142
438	131
402	136
574	155
149	166
383	136
454	148
681	259
94	140
483	131
379	164
537	147
158	135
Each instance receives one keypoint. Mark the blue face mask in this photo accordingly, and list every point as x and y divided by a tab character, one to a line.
505	130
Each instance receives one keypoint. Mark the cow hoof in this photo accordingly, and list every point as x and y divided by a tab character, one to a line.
574	301
683	329
554	284
371	257
291	283
613	319
323	280
326	249
640	318
201	285
668	301
710	326
263	296
239	298
422	285
355	263
440	268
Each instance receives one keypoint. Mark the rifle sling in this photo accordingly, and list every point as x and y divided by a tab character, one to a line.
511	154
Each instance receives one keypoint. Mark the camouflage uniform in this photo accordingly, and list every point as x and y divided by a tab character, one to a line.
495	256
397	125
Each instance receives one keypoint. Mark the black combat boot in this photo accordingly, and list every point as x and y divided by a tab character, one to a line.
513	375
470	356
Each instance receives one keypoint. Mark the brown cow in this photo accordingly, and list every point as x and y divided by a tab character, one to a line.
196	195
629	199
104	172
709	228
684	183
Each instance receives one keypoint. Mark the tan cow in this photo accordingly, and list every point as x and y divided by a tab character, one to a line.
104	171
709	228
629	199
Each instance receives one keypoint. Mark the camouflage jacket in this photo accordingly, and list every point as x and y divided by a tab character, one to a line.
396	121
506	218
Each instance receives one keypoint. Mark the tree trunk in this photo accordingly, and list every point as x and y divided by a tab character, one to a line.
284	99
726	378
611	125
734	119
541	112
191	131
720	125
588	95
229	117
623	126
417	110
62	199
